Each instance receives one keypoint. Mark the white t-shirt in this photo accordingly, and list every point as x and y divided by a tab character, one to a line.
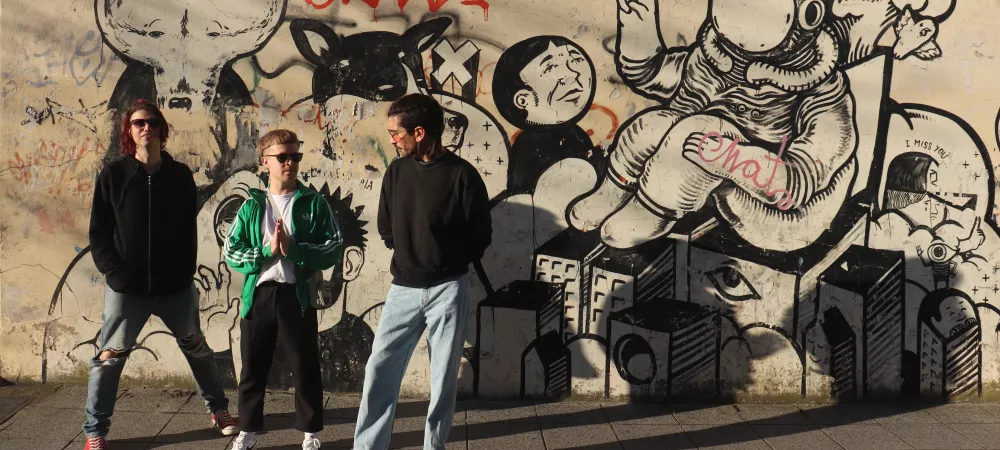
278	268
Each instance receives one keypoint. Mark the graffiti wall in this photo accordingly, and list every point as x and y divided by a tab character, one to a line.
690	198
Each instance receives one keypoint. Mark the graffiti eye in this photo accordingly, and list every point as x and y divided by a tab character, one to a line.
732	285
214	34
939	252
156	34
812	15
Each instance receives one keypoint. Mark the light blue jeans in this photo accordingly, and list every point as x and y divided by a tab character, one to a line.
444	311
124	317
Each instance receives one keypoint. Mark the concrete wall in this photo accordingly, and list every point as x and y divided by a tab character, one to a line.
859	258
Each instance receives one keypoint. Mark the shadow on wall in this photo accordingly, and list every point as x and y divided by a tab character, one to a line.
696	319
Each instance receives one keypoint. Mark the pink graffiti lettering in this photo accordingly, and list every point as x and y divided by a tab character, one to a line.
749	168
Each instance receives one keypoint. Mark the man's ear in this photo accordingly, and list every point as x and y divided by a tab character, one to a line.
523	98
419	133
354	259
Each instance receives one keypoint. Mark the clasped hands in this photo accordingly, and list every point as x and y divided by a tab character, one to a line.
280	241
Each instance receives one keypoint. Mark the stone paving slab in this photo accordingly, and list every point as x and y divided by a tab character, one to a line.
782	437
725	437
619	413
865	436
35	422
11	405
502	436
39	444
659	437
772	414
987	436
505	412
588	436
707	415
931	436
177	420
153	400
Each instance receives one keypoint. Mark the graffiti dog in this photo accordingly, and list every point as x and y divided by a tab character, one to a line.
375	66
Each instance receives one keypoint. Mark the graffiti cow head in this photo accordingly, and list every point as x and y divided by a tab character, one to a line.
375	66
187	42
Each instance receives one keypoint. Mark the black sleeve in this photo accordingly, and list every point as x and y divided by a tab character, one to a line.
384	208
190	200
102	226
476	204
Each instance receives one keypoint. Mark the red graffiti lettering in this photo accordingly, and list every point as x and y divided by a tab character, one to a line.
320	5
53	165
611	114
480	3
432	5
479	84
750	168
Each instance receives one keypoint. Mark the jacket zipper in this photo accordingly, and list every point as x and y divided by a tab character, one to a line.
149	238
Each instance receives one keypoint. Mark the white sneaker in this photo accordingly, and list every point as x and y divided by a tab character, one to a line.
310	444
245	442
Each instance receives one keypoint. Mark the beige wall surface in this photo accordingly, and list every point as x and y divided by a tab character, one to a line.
767	199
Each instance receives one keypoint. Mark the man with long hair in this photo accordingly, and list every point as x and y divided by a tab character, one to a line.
143	238
434	213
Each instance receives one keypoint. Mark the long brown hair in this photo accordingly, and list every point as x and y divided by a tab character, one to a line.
125	136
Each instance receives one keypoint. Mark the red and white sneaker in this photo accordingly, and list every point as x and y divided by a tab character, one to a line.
225	423
96	443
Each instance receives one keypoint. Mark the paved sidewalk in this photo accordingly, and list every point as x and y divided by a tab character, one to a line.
51	416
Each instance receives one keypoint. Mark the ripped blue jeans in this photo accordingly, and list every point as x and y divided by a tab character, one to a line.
124	317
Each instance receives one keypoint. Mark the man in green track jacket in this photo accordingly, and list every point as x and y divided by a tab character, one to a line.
279	240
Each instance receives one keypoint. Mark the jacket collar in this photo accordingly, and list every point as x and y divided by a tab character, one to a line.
259	195
167	159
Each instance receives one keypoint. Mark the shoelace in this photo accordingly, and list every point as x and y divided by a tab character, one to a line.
95	443
223	419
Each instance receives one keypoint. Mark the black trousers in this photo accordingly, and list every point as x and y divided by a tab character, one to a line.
276	312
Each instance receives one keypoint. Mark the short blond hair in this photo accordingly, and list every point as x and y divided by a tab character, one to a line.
276	137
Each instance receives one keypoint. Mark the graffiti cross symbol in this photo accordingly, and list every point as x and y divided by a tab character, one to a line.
487	126
453	61
486	145
975	289
499	160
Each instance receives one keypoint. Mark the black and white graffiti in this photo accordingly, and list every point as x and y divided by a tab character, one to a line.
771	216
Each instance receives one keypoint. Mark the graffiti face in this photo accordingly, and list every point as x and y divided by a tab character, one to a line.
955	315
559	85
763	26
187	42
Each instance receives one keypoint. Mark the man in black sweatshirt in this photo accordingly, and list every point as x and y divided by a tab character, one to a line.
434	213
143	238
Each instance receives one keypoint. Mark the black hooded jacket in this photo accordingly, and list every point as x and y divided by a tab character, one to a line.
143	232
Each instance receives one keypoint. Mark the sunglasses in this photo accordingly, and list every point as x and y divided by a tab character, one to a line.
397	136
141	123
284	157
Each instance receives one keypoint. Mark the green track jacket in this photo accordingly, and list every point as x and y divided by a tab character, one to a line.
318	244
